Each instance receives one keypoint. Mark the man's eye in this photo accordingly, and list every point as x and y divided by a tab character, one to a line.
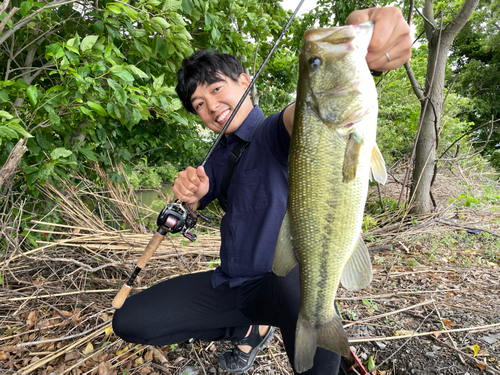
217	88
199	105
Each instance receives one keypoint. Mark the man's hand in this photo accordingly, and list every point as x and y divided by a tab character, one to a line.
391	35
191	185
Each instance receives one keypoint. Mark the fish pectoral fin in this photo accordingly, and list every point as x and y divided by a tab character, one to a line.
284	257
378	166
329	335
351	157
357	272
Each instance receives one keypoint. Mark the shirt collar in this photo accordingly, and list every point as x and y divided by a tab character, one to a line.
247	128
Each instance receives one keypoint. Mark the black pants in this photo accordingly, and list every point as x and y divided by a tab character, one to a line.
189	307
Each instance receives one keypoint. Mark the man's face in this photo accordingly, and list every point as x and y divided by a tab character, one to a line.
214	103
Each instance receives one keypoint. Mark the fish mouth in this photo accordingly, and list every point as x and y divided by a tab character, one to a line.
349	88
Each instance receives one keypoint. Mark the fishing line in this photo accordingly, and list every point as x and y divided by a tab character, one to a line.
247	91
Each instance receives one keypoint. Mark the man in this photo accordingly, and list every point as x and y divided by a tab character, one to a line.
242	299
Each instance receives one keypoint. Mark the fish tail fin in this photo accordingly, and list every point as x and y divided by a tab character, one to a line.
329	335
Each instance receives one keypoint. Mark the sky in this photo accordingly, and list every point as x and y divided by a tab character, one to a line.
292	5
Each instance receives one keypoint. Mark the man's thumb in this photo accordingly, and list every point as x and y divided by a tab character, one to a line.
200	171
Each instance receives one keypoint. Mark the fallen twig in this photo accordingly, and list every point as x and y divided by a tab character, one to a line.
381	338
388	314
466	355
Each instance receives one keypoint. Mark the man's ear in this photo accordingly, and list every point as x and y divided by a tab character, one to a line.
244	80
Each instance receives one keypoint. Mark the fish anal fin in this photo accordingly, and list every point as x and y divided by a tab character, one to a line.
378	166
351	157
284	257
329	335
357	272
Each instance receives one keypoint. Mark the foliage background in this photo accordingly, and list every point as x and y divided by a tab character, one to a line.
93	82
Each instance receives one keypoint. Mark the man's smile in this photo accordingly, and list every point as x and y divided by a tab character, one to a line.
223	116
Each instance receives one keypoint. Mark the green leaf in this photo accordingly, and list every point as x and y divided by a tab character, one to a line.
29	170
6	115
160	21
18	128
42	141
119	92
54	118
116	68
180	119
132	13
86	111
158	82
114	8
4	96
60	152
370	363
5	132
101	134
32	95
98	108
25	8
126	76
136	71
72	49
88	154
136	115
88	42
172	5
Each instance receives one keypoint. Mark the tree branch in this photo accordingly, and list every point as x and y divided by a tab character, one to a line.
458	22
428	15
25	20
8	17
419	92
12	161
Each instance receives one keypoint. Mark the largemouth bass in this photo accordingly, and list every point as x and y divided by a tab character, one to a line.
333	147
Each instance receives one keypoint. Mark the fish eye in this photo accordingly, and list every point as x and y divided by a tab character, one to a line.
315	62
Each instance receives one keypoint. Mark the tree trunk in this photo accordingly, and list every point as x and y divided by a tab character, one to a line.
12	161
425	156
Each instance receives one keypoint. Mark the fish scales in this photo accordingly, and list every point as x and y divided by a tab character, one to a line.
332	147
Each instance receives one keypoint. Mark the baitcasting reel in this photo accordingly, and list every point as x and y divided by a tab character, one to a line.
179	217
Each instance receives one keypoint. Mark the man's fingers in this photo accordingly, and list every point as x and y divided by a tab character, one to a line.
357	17
391	35
378	60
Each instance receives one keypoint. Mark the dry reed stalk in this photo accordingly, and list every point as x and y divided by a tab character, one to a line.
28	370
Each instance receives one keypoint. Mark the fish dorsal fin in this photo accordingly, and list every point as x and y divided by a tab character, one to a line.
284	257
351	157
358	270
378	170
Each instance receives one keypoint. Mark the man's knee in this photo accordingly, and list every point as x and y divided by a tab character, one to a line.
127	327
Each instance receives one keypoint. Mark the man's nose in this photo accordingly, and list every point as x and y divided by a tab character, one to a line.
212	104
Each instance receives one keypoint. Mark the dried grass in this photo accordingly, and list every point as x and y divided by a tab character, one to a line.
55	297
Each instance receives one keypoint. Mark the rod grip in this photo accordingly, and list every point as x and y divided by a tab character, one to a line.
150	249
148	252
121	296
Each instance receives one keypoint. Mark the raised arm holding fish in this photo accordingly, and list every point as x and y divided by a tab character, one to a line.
332	145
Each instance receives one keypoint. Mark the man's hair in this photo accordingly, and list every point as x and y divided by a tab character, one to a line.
204	68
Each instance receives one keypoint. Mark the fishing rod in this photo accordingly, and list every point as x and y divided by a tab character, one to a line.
178	216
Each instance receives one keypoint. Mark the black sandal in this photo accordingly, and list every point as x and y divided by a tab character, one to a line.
237	361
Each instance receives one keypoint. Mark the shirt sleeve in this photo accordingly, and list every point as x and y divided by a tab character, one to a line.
209	197
278	138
